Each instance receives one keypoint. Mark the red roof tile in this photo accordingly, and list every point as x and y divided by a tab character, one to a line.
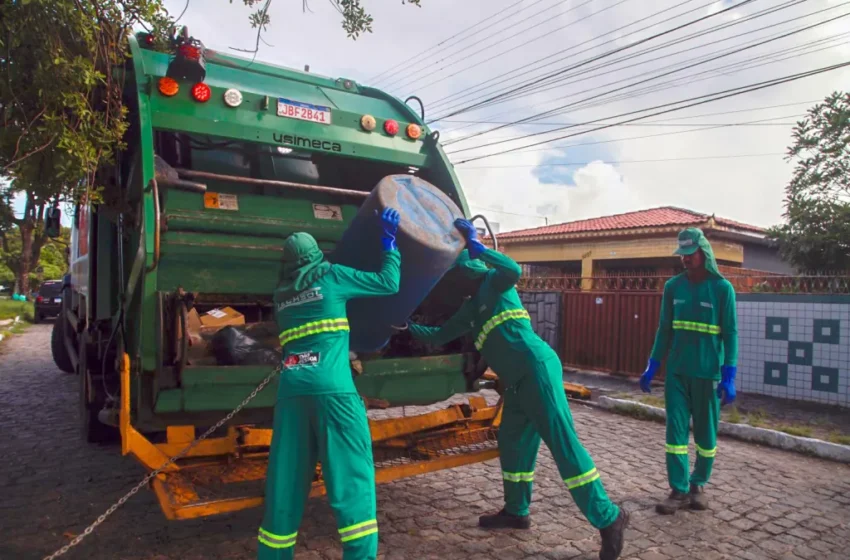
654	217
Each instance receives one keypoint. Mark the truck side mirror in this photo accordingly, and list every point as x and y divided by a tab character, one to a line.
52	222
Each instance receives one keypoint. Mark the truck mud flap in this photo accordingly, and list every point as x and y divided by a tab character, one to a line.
402	447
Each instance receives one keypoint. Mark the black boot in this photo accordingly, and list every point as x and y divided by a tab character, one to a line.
613	537
699	501
673	503
504	520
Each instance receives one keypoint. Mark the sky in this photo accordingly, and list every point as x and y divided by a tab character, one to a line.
452	54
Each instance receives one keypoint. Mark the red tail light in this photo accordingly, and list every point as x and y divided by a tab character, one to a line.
39	299
391	127
190	52
201	92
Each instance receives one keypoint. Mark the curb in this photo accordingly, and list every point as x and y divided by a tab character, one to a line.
12	324
770	438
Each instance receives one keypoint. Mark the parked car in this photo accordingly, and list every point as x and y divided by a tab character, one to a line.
48	301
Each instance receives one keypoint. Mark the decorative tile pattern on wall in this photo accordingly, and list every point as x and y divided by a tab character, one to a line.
795	347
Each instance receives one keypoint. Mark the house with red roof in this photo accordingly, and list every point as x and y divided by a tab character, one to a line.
640	242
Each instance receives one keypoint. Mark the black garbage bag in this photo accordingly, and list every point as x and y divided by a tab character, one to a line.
232	347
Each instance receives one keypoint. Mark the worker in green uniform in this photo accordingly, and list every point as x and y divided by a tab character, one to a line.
319	414
535	404
698	334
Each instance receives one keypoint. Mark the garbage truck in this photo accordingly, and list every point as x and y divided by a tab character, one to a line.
168	317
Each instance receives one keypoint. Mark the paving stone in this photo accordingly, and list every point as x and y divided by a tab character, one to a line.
766	503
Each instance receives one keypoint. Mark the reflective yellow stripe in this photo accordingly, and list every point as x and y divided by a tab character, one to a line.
358	531
276	541
582	479
316	327
677	449
497	320
518	476
359	535
706	452
696	327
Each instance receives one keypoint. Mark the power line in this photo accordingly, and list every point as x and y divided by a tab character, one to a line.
573	78
634	124
526	43
623	162
505	211
398	81
645	136
507	96
714	114
677	82
526	70
598	95
699	100
441	43
599	57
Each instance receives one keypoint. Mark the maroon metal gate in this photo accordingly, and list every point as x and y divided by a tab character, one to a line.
610	331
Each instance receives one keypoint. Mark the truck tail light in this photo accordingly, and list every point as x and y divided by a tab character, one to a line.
39	299
190	52
190	62
201	92
368	123
414	131
168	86
391	127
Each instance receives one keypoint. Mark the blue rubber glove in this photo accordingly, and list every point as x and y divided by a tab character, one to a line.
389	223
471	234
646	379
726	388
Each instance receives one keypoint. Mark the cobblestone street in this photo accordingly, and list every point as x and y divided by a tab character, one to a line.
764	503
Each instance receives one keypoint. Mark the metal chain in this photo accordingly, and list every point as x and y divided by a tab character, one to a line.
78	539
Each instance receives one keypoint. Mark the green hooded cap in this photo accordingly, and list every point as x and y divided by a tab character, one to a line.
471	268
690	241
303	264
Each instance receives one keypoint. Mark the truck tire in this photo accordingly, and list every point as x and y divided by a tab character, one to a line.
58	348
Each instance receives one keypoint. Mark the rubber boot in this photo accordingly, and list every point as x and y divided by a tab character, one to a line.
504	520
613	537
699	501
673	503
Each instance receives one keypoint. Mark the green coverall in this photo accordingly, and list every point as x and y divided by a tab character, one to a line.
697	333
319	414
535	404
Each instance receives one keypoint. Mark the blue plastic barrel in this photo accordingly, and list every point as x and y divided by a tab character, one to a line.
429	245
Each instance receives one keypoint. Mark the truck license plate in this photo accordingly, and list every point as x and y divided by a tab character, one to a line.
57	300
303	111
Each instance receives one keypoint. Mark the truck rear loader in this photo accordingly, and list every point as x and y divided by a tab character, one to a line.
223	159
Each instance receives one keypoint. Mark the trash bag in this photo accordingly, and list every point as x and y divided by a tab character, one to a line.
232	347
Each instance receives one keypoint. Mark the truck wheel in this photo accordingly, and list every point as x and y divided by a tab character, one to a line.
58	348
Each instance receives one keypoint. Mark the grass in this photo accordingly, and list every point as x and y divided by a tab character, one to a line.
734	416
652	400
801	431
838	437
636	412
10	309
758	418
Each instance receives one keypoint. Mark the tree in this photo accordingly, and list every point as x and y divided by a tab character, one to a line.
52	260
355	19
816	232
